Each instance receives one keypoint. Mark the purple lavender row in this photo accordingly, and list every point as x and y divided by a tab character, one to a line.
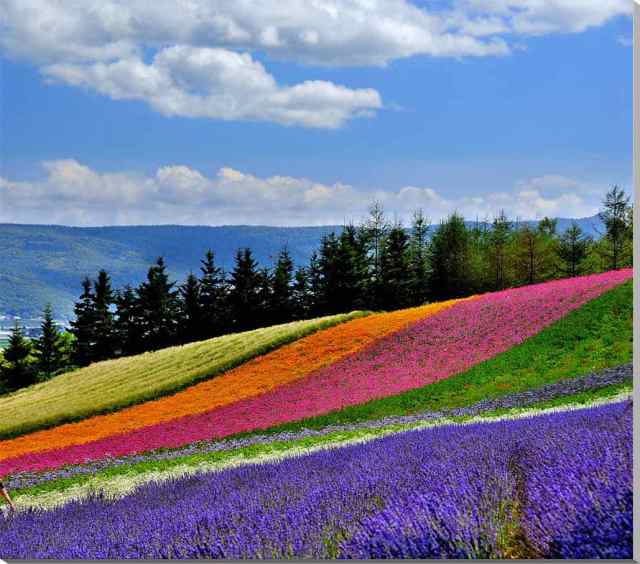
595	380
453	491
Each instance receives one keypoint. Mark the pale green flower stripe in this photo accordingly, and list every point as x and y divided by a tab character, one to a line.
118	485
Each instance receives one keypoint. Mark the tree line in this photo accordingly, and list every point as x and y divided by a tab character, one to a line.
376	265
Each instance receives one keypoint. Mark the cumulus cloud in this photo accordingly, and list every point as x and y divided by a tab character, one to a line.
73	194
197	58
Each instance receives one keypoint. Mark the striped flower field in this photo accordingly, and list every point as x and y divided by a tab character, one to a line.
358	508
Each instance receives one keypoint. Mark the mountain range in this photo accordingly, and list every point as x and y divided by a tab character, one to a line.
46	263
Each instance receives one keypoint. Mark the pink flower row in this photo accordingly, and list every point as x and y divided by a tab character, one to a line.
435	348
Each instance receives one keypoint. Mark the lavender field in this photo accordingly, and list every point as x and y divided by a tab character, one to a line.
557	485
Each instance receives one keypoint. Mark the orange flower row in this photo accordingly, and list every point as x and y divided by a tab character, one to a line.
258	376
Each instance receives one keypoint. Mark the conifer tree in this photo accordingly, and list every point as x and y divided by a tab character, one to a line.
395	276
127	328
449	259
498	245
83	326
282	304
103	300
49	348
244	300
418	259
572	250
191	326
18	369
158	308
301	294
616	218
213	299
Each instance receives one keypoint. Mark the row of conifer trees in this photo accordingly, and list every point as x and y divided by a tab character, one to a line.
375	265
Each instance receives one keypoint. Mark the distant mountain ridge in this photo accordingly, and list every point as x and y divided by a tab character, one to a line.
45	263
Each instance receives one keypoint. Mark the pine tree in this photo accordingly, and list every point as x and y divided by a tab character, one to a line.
158	308
83	326
498	244
395	275
213	299
616	218
418	259
244	301
281	303
301	294
18	369
127	329
190	310
449	259
375	230
49	348
572	250
103	300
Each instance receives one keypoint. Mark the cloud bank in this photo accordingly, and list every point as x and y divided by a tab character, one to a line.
199	58
73	194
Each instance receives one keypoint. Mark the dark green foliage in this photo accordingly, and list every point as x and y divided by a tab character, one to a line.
244	298
282	306
191	322
617	219
572	250
127	327
18	368
213	298
395	275
49	348
103	299
83	326
450	259
158	308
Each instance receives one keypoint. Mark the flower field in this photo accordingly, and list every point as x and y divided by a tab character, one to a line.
496	426
482	490
441	342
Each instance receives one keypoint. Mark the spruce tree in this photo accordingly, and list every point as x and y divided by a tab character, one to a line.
244	301
301	294
127	327
83	326
418	259
190	311
572	250
449	259
158	308
103	300
498	244
282	304
616	218
49	348
213	299
395	276
18	369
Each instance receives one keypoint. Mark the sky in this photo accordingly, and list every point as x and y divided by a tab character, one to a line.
303	112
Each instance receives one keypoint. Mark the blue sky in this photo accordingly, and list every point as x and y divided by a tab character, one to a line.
105	122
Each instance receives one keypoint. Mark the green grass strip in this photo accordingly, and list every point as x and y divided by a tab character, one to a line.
108	386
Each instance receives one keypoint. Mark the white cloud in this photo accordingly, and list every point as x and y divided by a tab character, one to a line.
203	52
74	194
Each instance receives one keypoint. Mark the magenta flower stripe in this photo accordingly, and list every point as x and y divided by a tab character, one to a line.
435	348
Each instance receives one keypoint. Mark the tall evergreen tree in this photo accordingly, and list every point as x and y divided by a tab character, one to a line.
395	276
49	348
572	250
282	302
191	322
498	240
375	230
449	259
18	370
301	294
83	326
127	329
418	259
615	217
158	308
103	300
213	298
243	295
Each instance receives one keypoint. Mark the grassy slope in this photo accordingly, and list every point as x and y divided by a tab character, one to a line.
597	335
113	384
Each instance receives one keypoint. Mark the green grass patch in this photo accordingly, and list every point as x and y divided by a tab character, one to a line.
107	386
